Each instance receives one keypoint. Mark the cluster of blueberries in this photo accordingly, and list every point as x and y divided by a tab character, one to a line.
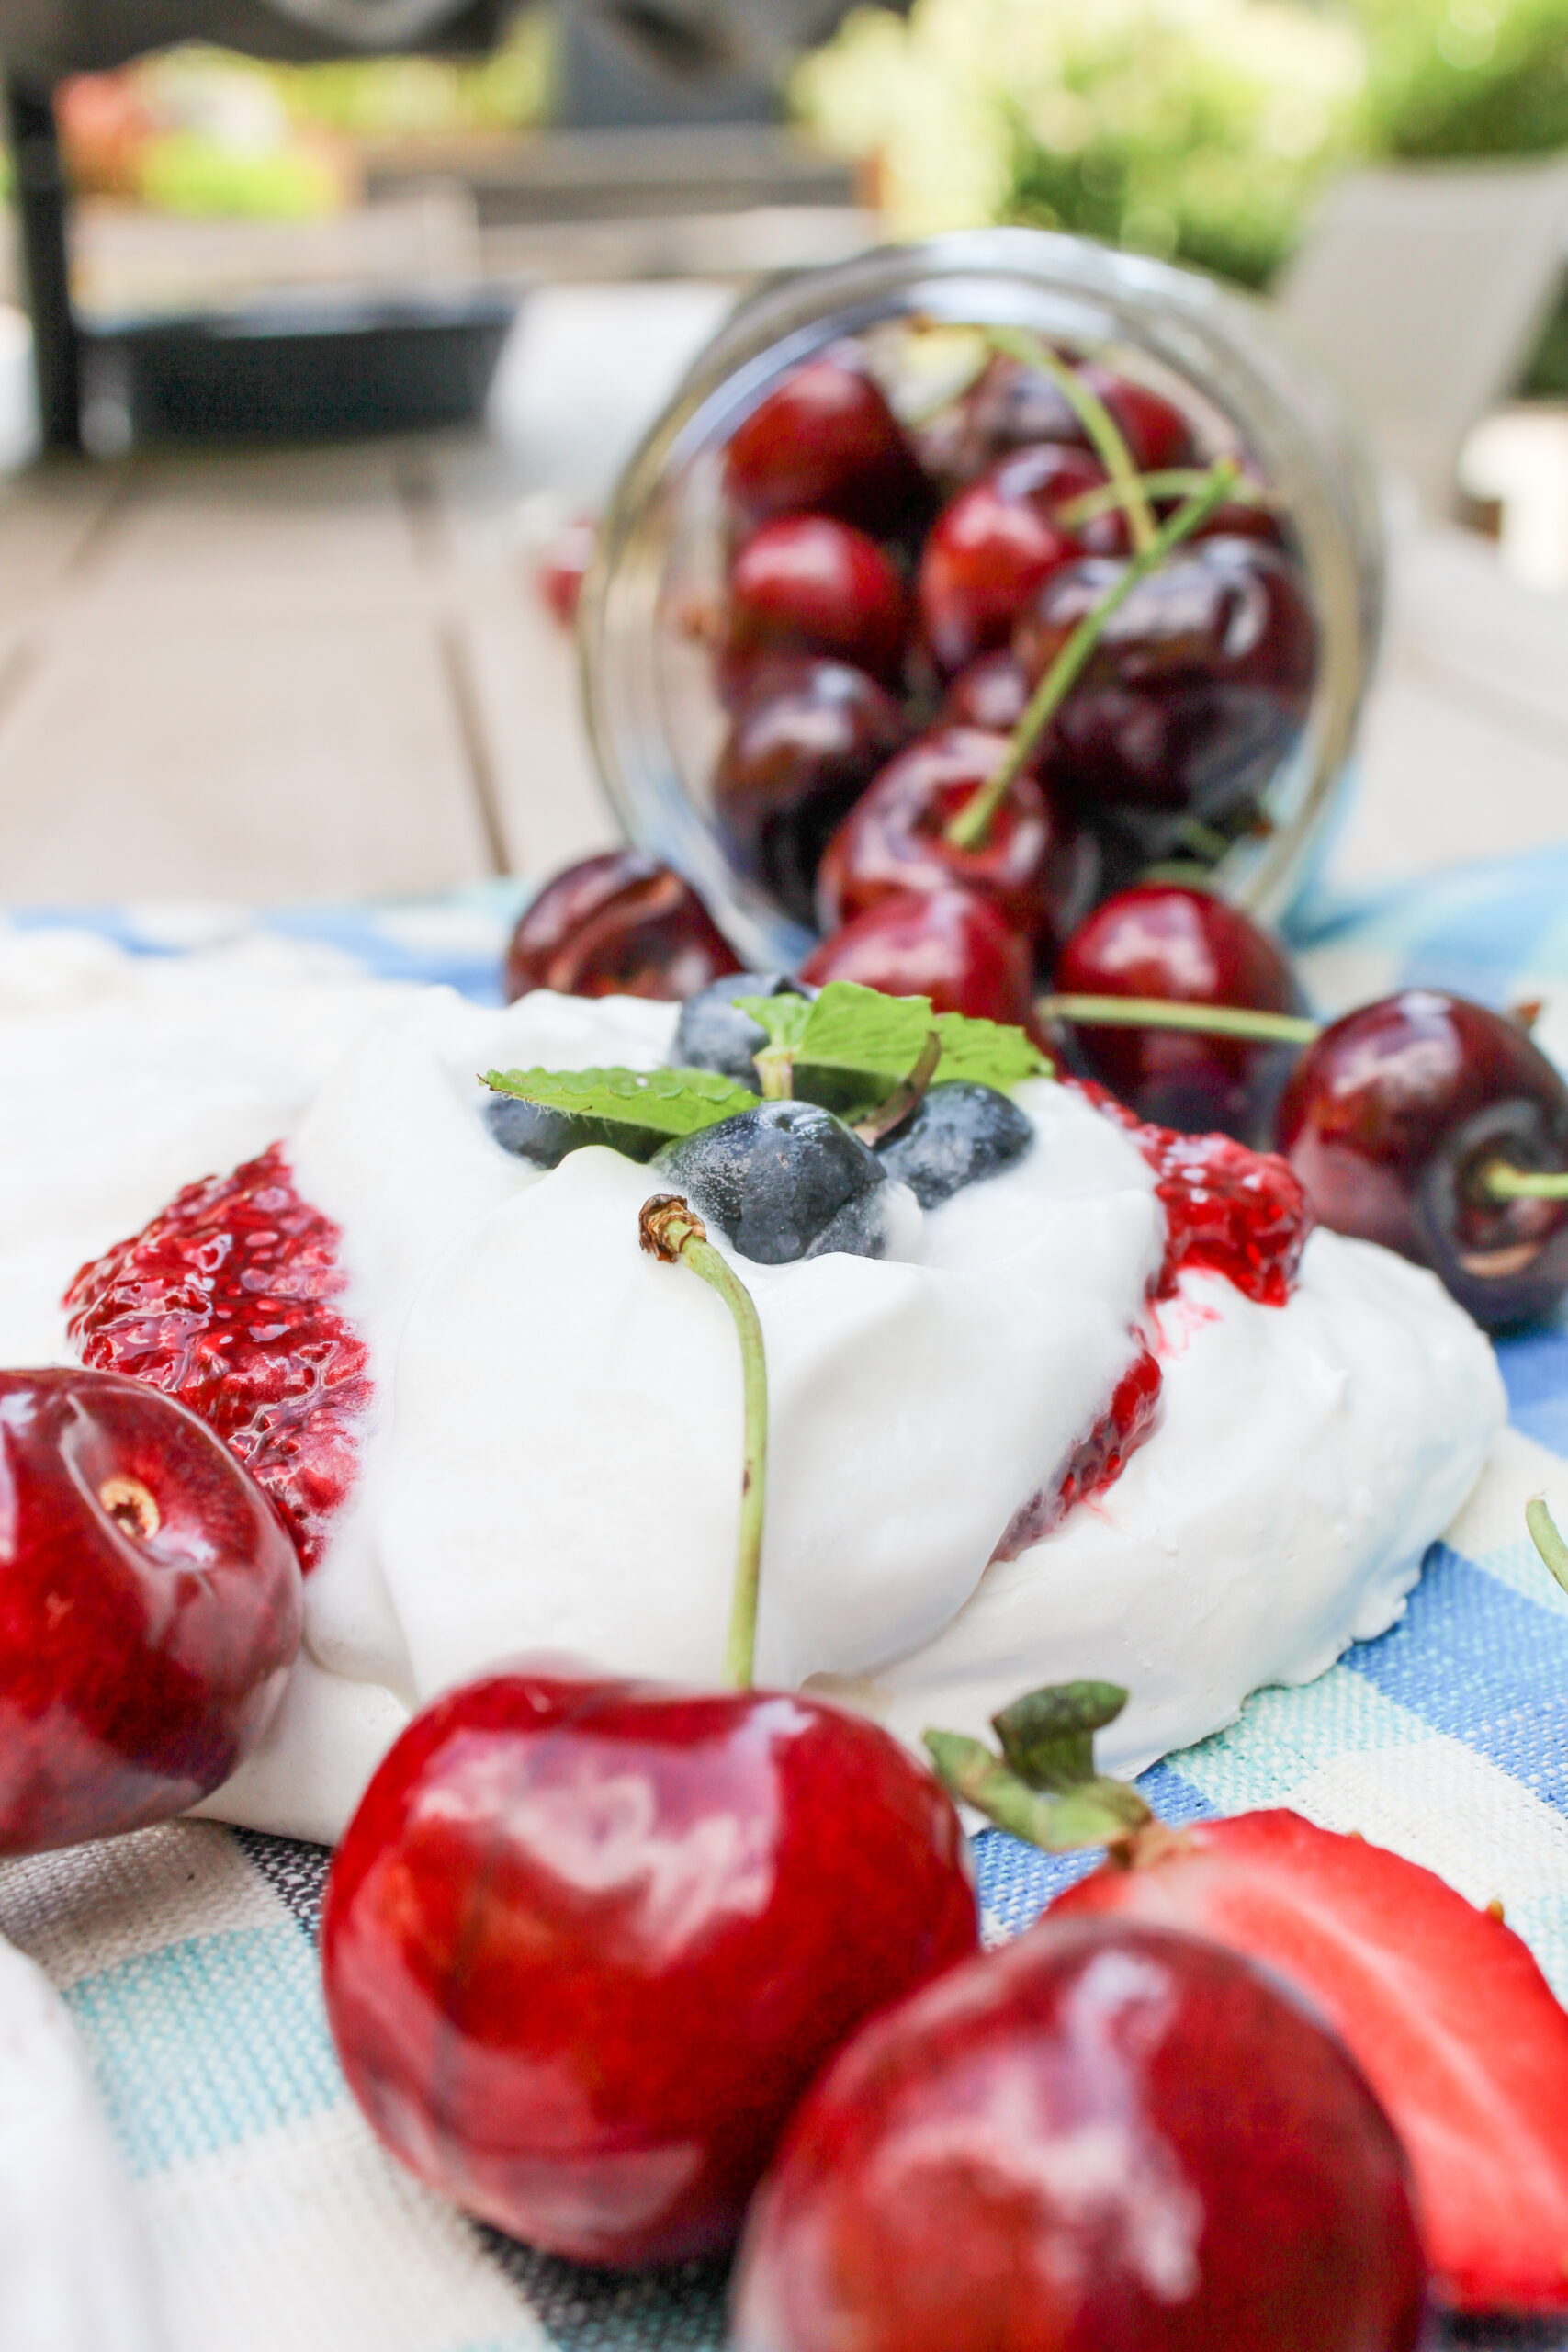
789	1180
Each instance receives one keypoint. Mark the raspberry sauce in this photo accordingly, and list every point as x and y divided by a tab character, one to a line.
223	1301
1096	1461
1228	1210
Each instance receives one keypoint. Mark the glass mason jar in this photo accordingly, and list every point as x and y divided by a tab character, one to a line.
656	721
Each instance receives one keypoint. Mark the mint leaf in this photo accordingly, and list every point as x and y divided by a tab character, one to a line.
783	1017
632	1110
985	1053
857	1045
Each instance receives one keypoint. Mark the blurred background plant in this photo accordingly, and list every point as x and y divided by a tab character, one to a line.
1199	130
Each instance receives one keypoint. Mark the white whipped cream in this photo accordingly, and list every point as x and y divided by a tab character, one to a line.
73	2272
552	1461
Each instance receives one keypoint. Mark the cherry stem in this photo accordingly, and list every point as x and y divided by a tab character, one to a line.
1168	1013
672	1232
1546	1538
1171	481
967	830
1109	442
1506	1182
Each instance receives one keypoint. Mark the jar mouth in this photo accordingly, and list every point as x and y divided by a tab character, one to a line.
653	718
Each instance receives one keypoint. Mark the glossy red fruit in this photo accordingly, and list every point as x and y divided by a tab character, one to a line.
619	924
805	584
1442	2006
1106	2135
586	1942
951	945
1037	866
991	546
1198	690
1188	946
1011	405
803	744
826	442
562	567
1156	434
149	1609
992	693
1390	1121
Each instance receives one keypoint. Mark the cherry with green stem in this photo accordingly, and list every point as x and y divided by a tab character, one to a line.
589	1938
1105	434
968	829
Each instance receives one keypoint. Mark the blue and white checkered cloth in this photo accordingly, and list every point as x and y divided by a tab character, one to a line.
185	1954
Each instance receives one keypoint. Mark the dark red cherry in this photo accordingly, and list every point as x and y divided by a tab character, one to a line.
1196	692
1105	2135
1037	866
150	1608
803	744
619	924
992	693
951	945
808	585
1391	1121
586	1942
1156	434
1189	946
562	567
991	546
826	442
1011	404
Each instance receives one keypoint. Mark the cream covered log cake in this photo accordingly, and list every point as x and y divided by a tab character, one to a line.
1096	1410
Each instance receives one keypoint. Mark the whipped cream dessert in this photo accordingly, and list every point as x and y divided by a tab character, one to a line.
73	2272
514	1430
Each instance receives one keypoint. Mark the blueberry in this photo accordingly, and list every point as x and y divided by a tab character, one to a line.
533	1132
714	1034
786	1180
960	1134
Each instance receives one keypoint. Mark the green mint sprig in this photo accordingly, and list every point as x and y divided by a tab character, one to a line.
632	1110
851	1048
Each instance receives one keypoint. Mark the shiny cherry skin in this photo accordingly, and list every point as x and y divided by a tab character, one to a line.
826	442
951	945
806	584
803	745
992	693
1103	2135
1186	946
1156	434
1198	690
618	924
1009	405
587	1941
991	546
1389	1119
149	1609
1037	866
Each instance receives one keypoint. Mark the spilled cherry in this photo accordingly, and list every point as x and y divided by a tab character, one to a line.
149	1609
1107	2134
618	924
588	1939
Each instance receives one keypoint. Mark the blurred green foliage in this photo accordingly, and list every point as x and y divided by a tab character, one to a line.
1197	129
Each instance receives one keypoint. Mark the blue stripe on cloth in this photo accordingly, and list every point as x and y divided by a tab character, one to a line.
1474	932
209	2043
1015	1882
1477	1660
1535	1372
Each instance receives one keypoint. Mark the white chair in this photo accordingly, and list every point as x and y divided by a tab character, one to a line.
1421	288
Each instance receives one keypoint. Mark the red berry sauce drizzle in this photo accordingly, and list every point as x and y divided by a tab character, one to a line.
224	1302
1227	1211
